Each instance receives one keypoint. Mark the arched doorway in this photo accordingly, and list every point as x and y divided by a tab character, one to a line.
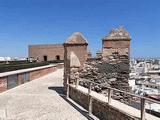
57	57
45	58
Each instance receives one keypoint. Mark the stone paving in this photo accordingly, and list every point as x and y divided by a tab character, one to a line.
41	99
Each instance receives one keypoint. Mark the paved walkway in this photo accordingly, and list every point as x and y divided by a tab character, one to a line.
41	99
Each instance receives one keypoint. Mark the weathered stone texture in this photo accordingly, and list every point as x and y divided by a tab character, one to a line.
111	69
3	84
77	44
116	44
117	41
79	50
100	109
108	53
106	112
99	54
79	97
106	74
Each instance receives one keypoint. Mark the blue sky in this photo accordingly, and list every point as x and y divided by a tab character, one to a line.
24	22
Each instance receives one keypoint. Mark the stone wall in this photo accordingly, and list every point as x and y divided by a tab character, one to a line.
115	44
111	69
39	73
3	84
77	45
99	108
20	79
113	74
79	50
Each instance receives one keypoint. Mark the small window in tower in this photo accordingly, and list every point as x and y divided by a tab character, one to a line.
45	58
57	57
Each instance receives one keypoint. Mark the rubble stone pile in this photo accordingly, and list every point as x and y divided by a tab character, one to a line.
108	73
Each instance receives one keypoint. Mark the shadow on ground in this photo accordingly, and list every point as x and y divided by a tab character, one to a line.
60	91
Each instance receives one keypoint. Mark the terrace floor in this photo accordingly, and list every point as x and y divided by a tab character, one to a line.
41	99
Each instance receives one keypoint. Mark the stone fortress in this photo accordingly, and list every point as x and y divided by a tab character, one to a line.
56	51
118	40
110	67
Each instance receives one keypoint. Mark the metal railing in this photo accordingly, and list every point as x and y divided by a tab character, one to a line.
110	92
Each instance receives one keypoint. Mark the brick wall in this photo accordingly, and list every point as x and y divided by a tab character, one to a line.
20	79
51	51
39	73
32	75
116	44
3	84
99	108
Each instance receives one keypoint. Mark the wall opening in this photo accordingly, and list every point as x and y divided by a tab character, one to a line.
45	58
12	81
26	77
57	57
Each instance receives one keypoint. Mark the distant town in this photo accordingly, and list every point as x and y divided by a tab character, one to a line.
12	58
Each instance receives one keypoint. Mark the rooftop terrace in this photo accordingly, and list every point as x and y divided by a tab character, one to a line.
39	100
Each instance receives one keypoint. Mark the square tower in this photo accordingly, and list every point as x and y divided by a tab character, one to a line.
77	45
116	42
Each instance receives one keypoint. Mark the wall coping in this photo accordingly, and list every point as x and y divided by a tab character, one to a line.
123	108
25	70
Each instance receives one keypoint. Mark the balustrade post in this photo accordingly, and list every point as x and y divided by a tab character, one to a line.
77	83
143	111
90	98
89	88
90	105
67	87
109	95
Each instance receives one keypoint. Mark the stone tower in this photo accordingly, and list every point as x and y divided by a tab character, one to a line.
76	44
116	53
116	42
